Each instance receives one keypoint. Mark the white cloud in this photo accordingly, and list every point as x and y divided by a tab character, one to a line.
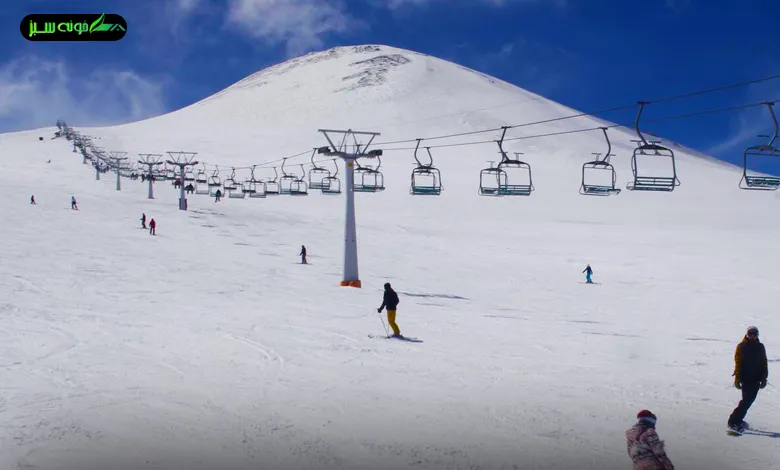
35	92
299	24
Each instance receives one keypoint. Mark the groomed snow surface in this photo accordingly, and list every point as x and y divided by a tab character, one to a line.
210	344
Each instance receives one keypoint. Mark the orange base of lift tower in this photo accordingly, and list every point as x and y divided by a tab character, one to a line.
351	284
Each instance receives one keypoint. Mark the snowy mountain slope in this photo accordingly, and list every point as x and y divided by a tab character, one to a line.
210	340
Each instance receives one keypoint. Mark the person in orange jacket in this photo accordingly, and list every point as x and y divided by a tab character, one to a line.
750	374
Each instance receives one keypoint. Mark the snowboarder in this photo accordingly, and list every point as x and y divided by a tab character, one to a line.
643	445
32	199
73	204
750	375
152	227
303	255
588	273
143	220
218	195
390	300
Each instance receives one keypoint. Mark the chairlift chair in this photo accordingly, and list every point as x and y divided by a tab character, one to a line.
332	184
230	183
426	179
248	187
272	185
298	187
371	179
490	180
647	151
317	174
287	180
752	180
599	176
257	187
215	183
516	179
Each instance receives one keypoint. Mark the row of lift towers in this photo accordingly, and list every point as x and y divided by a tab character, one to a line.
426	179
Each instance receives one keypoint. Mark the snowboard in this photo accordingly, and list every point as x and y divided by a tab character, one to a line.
401	338
738	432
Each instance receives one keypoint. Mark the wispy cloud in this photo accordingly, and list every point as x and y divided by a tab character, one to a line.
751	122
35	92
393	4
301	25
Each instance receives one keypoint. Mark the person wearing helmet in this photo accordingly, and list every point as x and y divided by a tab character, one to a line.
750	375
390	300
644	446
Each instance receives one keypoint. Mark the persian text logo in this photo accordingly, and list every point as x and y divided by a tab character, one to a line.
73	27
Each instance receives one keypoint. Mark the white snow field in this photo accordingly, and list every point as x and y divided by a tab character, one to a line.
209	344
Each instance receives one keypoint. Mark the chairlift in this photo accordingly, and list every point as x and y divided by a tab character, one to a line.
368	179
257	187
201	182
287	180
426	179
298	187
756	180
230	183
599	176
332	184
645	180
272	185
317	174
189	175
215	183
232	187
490	180
516	177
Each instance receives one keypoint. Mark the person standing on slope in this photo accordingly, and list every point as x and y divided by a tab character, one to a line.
152	227
390	300
644	446
588	273
750	374
218	195
32	199
143	220
303	255
73	204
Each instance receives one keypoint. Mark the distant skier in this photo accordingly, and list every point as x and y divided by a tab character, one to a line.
644	447
73	204
152	227
390	300
303	255
750	375
218	195
588	273
143	220
32	199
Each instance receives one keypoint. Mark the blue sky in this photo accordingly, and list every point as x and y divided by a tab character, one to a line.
587	54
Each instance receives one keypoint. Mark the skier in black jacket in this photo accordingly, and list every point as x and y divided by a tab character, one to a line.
750	375
390	300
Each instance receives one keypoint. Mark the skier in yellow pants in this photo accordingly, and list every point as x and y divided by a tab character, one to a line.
391	301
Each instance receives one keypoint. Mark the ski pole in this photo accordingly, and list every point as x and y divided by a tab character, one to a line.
387	333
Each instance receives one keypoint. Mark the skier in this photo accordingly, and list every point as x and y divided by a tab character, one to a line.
143	220
303	255
32	199
588	273
390	300
643	445
750	375
73	204
219	195
152	227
